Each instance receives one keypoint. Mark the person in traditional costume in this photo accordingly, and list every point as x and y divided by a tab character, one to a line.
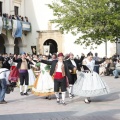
59	70
23	66
45	84
89	83
14	73
31	75
77	64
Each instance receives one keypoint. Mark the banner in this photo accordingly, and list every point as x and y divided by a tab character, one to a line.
17	29
26	26
1	25
4	23
14	27
18	32
7	24
46	49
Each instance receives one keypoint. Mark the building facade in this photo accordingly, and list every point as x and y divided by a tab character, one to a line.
8	44
42	32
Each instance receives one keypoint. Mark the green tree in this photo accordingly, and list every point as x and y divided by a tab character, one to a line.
97	20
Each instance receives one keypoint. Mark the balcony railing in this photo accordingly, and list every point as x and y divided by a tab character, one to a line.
8	24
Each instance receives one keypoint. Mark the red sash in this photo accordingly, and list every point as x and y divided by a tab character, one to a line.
58	75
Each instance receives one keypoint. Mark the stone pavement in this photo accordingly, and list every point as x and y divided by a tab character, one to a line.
106	107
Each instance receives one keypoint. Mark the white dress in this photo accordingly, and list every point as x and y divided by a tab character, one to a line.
45	83
31	77
90	84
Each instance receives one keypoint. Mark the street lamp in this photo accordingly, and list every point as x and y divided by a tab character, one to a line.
106	48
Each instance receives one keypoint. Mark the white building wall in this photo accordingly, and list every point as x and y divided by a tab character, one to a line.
78	49
31	38
44	14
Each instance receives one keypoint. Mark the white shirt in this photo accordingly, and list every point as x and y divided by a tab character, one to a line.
89	64
59	67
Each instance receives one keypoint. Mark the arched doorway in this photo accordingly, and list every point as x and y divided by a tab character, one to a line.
2	46
53	45
17	43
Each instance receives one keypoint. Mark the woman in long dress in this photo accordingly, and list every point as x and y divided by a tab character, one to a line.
44	84
89	83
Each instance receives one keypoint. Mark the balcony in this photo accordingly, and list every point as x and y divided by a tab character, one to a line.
18	1
16	23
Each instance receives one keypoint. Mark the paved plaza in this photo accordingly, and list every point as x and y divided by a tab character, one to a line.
31	107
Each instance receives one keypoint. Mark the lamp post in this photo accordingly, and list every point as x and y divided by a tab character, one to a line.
117	43
106	48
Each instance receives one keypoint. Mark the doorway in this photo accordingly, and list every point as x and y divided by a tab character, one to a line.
53	45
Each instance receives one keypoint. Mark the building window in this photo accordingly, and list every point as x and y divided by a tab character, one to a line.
0	8
16	10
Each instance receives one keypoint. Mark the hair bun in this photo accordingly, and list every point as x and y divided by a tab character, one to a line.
90	54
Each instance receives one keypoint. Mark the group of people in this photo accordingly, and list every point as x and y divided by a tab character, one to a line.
15	17
110	67
54	75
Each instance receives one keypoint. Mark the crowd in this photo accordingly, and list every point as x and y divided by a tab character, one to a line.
15	17
55	74
110	67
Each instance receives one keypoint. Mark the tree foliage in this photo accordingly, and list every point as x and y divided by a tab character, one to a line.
95	21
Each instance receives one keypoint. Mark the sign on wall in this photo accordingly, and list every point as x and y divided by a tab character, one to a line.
33	48
46	49
26	26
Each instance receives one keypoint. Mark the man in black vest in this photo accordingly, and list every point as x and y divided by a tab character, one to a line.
59	70
77	64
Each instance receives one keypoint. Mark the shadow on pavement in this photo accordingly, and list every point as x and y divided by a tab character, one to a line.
70	115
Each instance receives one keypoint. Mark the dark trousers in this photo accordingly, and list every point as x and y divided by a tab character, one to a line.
24	77
60	84
73	79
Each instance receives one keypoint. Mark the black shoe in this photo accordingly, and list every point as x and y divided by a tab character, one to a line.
63	103
73	95
21	93
46	97
26	93
89	100
3	102
116	77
